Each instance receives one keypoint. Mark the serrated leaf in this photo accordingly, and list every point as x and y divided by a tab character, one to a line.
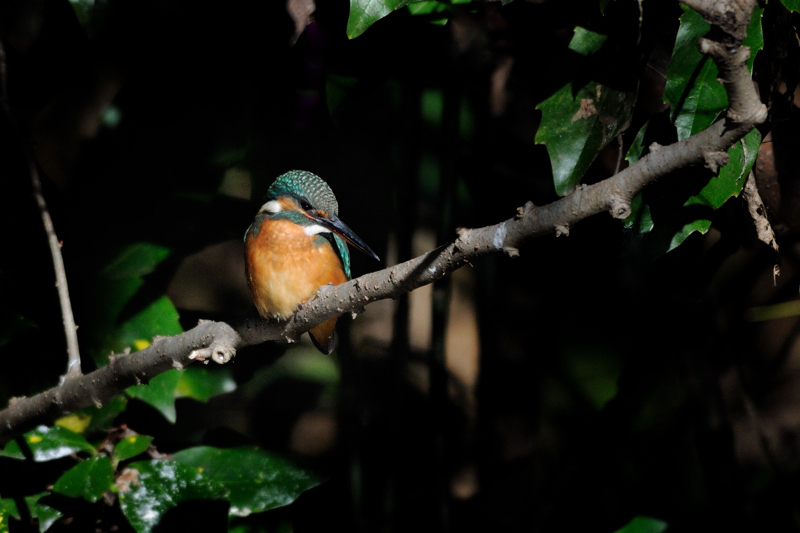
643	524
159	393
203	383
131	446
365	13
692	89
49	443
257	480
45	514
89	479
575	128
151	488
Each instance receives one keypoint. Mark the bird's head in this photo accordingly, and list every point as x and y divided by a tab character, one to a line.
306	199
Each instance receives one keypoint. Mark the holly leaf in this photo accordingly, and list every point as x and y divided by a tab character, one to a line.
148	489
48	443
575	128
131	446
44	514
89	479
257	480
203	383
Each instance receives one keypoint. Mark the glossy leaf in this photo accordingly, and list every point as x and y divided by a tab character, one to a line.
643	524
575	128
203	383
131	446
257	480
49	443
89	479
160	393
719	189
148	489
692	90
7	509
365	13
45	514
791	5
586	42
119	325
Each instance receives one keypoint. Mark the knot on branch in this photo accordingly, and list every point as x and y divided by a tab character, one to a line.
620	205
732	17
219	352
525	211
714	161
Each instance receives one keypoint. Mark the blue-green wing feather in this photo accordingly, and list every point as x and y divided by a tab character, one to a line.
344	253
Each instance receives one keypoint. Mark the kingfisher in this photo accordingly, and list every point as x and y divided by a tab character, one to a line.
295	245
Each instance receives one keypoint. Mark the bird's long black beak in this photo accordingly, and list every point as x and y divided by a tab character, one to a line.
333	223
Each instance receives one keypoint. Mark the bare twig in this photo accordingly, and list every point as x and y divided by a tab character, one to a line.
219	341
759	213
70	329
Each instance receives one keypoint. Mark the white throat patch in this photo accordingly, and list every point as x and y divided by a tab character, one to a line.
315	229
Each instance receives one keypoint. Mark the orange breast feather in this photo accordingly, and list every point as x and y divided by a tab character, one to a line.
285	267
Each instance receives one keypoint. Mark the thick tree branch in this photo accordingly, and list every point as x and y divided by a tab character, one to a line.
219	341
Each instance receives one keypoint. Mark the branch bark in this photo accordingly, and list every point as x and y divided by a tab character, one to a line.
219	341
70	329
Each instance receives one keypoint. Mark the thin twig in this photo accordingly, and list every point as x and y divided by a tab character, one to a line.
70	329
759	213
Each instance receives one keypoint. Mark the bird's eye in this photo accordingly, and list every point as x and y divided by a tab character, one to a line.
305	205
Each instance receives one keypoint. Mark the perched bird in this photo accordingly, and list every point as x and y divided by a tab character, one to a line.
295	245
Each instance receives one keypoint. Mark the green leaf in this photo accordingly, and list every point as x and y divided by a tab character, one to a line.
151	488
427	7
365	13
89	479
131	446
9	506
791	5
575	128
48	443
643	524
732	177
257	480
160	393
117	326
7	509
586	42
136	260
692	89
102	418
45	514
202	383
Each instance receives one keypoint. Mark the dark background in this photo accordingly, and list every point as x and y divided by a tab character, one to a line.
582	384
